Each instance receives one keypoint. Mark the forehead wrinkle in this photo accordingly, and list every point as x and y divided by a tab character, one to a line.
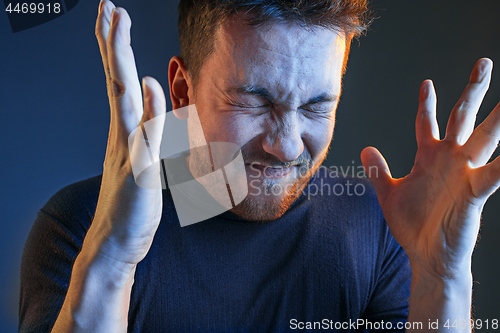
284	74
292	29
300	42
283	53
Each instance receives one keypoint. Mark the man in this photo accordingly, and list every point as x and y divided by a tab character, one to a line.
273	88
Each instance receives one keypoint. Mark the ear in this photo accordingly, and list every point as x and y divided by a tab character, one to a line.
179	85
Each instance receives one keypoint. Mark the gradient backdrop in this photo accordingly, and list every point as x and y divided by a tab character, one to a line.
54	111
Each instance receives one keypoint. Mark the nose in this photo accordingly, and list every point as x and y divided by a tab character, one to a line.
283	138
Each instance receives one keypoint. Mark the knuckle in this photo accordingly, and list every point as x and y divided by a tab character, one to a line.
118	88
101	39
108	74
423	113
464	105
486	131
109	83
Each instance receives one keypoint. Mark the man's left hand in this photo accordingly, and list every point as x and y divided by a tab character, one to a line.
434	212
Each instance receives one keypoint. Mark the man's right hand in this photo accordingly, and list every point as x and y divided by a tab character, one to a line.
127	215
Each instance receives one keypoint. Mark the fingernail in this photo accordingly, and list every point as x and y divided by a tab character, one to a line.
114	14
145	89
483	70
481	73
101	4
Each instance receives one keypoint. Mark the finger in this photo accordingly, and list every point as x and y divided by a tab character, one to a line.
124	87
145	141
102	29
154	99
463	115
484	140
153	118
486	179
426	125
378	171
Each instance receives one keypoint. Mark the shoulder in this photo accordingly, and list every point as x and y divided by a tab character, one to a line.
64	220
73	195
53	243
75	203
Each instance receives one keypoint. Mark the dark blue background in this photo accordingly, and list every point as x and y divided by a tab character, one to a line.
55	115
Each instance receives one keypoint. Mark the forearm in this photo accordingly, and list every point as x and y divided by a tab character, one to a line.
98	296
441	305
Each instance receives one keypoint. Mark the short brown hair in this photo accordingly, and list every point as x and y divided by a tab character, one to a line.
199	20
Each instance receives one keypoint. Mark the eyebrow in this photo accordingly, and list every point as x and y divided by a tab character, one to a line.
253	90
264	93
325	97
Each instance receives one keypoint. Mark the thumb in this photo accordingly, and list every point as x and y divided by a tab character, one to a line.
378	171
154	99
145	140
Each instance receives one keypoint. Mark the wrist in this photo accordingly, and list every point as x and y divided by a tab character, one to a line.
98	296
456	277
93	260
105	246
446	288
441	299
445	267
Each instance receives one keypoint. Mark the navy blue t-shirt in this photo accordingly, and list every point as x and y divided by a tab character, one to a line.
327	262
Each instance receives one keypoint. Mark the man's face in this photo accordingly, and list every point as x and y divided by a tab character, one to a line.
272	90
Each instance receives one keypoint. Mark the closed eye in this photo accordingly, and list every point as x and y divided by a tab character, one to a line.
247	106
322	107
247	101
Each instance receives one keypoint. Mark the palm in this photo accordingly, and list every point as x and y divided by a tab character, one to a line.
434	211
127	214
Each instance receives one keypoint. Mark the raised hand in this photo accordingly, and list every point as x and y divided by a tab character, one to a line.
127	215
434	212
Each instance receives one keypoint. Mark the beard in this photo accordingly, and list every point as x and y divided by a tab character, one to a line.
269	198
